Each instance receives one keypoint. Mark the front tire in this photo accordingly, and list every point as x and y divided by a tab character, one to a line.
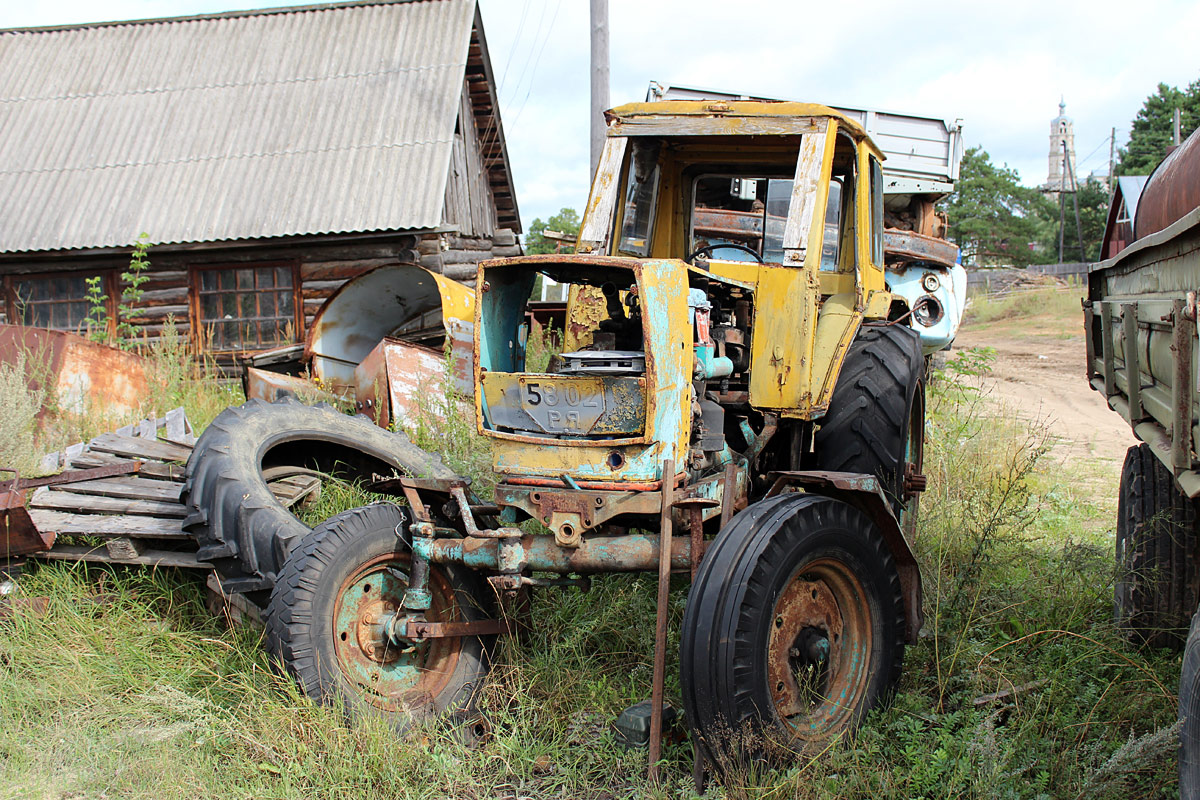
321	622
792	630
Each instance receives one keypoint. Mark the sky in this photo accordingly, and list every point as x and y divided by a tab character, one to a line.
999	67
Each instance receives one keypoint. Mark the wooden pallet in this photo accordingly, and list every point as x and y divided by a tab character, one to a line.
140	515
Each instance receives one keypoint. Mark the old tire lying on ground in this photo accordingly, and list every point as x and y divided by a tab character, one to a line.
792	630
1157	586
322	621
241	529
876	418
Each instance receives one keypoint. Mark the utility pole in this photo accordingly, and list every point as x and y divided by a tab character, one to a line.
1062	199
1075	196
600	80
1112	151
1177	121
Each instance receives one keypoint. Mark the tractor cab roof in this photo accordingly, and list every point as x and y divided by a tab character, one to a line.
728	118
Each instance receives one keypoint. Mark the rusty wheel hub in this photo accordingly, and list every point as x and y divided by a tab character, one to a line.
385	673
372	636
819	648
914	481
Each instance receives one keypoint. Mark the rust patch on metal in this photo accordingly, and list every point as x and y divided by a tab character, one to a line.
902	245
1172	191
383	673
819	648
79	372
417	629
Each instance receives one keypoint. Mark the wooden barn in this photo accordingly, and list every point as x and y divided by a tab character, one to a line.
269	156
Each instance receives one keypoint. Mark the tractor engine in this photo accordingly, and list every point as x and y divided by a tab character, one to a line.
654	365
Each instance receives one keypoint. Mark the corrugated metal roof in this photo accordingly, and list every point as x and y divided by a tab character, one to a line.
325	119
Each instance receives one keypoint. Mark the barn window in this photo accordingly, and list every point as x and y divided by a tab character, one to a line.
56	300
249	307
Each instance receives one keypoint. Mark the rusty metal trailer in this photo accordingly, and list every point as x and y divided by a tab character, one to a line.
1142	348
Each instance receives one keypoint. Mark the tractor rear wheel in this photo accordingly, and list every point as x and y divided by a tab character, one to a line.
1157	585
876	418
323	622
792	630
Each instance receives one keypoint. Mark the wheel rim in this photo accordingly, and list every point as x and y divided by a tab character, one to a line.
819	650
384	674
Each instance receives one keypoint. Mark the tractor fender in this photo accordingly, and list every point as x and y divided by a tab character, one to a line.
864	492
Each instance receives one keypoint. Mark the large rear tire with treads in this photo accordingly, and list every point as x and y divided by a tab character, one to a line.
876	418
239	525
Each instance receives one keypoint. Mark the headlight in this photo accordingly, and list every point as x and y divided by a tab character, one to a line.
930	282
928	311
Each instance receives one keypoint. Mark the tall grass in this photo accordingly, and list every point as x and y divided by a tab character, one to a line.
181	373
1056	302
19	406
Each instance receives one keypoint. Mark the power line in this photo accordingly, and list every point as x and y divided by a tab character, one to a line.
508	61
545	40
529	58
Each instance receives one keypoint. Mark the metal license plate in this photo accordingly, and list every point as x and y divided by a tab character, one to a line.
563	406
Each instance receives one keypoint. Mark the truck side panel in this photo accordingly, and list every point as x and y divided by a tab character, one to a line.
1142	342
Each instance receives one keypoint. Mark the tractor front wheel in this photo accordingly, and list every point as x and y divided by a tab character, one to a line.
324	622
792	630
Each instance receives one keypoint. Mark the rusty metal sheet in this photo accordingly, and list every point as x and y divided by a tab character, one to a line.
397	377
396	300
18	535
1172	191
79	372
261	384
737	224
462	355
901	245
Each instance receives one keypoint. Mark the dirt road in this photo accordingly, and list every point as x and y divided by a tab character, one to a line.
1039	374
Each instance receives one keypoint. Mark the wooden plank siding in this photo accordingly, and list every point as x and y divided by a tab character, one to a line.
168	294
469	205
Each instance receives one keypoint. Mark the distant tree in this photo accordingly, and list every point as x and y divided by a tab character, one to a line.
565	221
1153	128
995	220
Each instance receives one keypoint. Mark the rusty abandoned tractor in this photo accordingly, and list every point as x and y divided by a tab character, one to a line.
734	370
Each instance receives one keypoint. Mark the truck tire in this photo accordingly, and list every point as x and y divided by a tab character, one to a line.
240	527
876	418
792	630
1189	714
321	622
1156	586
